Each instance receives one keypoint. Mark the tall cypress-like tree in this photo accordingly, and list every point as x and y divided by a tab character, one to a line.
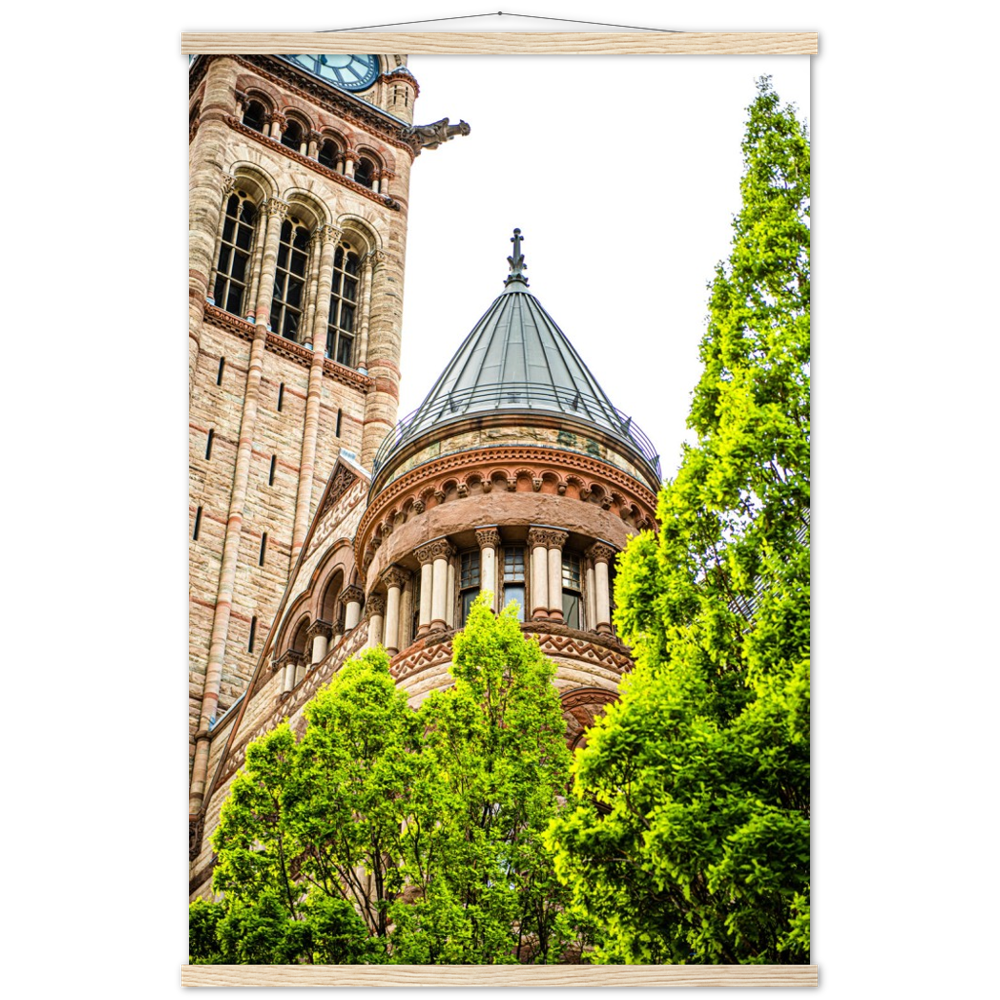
688	840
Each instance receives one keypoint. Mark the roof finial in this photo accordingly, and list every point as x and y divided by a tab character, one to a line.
516	260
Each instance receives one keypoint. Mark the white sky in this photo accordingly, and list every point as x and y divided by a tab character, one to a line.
623	175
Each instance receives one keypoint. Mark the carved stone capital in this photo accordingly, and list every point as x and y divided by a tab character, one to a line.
329	234
276	118
320	627
601	552
276	207
316	137
488	537
549	538
376	605
395	576
292	656
351	595
377	259
228	186
439	549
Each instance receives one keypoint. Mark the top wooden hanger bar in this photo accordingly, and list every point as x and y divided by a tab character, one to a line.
561	43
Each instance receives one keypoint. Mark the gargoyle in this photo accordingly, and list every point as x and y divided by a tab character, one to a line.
431	136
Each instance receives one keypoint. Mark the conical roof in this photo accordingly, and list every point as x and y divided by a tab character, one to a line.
517	359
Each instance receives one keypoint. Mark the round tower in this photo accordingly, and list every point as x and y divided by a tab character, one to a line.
518	476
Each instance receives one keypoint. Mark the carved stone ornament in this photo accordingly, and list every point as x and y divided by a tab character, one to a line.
536	484
601	551
276	118
330	234
417	506
320	627
277	207
431	136
376	258
292	656
228	186
487	485
376	605
351	595
316	137
488	537
439	495
439	549
550	538
463	490
395	576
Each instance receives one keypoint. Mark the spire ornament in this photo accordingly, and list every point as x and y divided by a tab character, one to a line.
516	260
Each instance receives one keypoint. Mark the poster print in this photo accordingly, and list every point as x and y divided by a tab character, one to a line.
468	687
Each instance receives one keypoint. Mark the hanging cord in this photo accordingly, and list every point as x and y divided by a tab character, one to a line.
501	13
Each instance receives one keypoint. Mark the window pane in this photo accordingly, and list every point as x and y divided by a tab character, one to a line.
291	324
244	235
345	348
338	259
347	317
571	608
353	262
283	256
515	593
350	289
240	266
470	570
571	571
224	253
227	230
220	290
234	304
513	565
294	296
468	596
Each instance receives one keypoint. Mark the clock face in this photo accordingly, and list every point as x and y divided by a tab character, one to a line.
349	72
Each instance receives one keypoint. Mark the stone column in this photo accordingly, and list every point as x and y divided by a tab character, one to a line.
381	347
350	158
338	631
206	196
556	540
290	663
450	589
328	237
376	619
277	124
365	288
406	614
425	556
538	543
276	212
440	551
314	140
319	632
591	597
227	189
601	552
489	542
351	599
393	578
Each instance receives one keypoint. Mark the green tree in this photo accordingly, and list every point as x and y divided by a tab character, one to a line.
688	836
388	835
493	762
308	842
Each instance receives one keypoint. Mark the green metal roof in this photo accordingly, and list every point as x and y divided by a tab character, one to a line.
517	359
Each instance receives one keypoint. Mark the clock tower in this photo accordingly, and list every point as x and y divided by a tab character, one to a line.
299	187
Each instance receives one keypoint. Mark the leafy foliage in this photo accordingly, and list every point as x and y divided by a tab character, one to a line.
688	836
388	835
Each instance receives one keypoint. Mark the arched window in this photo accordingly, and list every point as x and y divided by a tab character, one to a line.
290	279
253	117
343	304
292	136
364	172
234	253
329	154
